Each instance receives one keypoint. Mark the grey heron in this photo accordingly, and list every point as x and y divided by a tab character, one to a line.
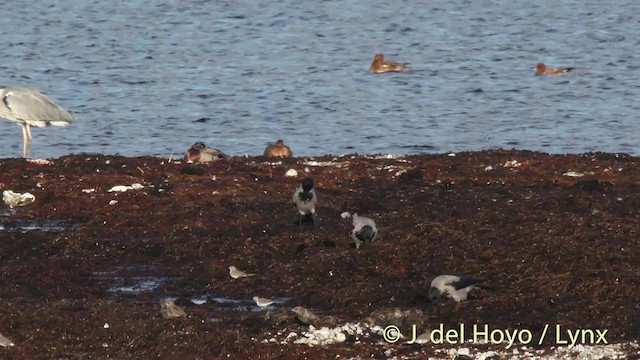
28	107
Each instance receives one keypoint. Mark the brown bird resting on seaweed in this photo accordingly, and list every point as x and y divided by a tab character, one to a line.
84	269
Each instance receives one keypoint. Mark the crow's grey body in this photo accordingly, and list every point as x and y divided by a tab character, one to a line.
451	287
364	230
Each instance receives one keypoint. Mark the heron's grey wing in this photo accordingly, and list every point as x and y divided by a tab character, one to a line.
29	105
464	282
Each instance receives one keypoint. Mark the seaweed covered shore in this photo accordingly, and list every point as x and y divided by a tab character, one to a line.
83	268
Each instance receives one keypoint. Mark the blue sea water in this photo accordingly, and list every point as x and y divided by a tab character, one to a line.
152	77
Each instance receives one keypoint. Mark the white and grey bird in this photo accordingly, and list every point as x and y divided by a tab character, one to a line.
452	287
4	341
28	107
200	153
263	302
235	273
364	230
305	199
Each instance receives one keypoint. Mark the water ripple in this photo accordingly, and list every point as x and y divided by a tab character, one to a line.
257	72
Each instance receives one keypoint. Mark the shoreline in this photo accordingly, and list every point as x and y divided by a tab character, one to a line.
556	235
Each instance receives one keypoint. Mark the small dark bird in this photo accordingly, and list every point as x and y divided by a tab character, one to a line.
305	316
452	287
200	153
169	309
305	199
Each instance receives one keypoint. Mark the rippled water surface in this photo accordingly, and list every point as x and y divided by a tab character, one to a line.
152	77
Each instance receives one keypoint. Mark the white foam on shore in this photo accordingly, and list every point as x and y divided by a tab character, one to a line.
358	333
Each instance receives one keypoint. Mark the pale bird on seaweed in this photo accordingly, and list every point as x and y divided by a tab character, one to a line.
235	273
4	341
452	287
28	107
200	153
364	230
169	309
278	149
305	199
263	302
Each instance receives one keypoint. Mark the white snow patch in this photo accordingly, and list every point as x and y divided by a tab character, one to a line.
388	156
362	332
326	336
123	188
322	163
511	163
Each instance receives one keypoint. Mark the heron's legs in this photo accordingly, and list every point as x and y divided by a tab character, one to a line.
26	141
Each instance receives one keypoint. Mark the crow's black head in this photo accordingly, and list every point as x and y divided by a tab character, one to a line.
307	184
